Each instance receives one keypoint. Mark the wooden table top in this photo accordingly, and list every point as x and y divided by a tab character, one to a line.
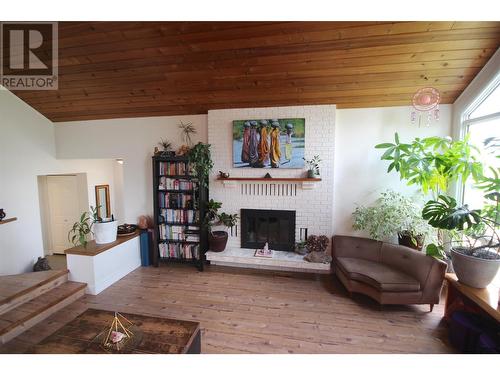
486	298
160	335
92	249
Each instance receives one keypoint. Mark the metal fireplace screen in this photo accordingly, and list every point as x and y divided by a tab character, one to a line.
276	227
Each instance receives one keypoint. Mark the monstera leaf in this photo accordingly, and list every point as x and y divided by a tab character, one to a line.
444	214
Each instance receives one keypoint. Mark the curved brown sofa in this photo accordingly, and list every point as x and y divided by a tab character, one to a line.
390	274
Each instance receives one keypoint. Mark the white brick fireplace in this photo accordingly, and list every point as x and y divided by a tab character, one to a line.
314	207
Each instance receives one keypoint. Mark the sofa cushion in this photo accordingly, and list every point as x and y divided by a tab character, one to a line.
377	275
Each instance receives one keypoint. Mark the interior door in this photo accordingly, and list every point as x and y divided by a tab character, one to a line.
62	192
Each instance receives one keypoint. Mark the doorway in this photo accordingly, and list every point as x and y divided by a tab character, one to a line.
63	198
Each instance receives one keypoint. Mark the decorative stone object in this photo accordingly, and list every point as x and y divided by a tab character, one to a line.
42	264
317	243
318	257
316	247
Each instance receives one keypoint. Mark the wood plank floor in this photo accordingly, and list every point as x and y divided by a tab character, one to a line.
246	311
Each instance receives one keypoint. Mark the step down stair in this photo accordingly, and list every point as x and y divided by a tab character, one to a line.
27	299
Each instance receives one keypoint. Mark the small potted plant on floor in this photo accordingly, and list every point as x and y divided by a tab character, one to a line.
313	166
394	214
217	239
104	230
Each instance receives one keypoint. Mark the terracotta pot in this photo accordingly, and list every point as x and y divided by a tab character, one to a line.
217	241
473	271
406	240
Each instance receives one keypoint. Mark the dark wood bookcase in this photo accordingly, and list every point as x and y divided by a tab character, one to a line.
179	208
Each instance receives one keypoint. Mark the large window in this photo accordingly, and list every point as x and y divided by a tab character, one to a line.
482	123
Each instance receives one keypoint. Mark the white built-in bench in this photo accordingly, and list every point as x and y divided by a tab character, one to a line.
102	265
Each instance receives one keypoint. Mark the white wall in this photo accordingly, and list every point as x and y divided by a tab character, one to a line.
27	149
133	140
360	175
314	208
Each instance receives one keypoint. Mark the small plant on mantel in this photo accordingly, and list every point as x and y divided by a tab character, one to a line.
313	165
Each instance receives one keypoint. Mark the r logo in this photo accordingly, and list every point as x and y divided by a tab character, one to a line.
29	55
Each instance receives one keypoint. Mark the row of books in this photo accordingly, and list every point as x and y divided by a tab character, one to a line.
173	168
179	251
176	184
175	232
175	200
168	215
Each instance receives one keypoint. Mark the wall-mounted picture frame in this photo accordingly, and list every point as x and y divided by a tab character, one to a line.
269	143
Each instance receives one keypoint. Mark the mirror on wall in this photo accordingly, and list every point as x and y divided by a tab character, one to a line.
102	201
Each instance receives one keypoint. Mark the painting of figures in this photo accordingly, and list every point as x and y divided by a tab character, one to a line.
269	143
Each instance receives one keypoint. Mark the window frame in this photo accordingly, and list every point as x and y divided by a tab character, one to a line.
466	122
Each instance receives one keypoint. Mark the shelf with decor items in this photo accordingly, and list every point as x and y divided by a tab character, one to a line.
304	183
179	204
8	220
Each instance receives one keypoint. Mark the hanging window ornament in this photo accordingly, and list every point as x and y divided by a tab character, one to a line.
426	106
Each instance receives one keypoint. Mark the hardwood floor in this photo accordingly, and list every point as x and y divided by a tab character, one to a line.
246	311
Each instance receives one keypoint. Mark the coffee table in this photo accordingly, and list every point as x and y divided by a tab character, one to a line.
159	335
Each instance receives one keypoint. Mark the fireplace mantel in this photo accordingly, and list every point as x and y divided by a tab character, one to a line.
306	183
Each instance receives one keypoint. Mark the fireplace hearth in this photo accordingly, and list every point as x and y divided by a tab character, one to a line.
276	227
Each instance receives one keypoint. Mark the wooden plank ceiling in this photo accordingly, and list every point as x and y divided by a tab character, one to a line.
132	69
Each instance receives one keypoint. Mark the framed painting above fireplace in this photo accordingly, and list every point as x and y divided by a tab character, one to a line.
269	143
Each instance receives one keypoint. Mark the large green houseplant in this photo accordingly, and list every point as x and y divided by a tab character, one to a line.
200	157
435	164
394	214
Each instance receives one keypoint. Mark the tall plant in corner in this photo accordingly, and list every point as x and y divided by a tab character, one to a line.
433	164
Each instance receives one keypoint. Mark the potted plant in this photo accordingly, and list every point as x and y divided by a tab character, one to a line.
313	165
433	164
476	241
394	214
89	223
200	158
217	240
166	145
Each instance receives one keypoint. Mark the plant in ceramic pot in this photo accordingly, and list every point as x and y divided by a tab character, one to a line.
394	214
217	239
104	231
313	165
475	232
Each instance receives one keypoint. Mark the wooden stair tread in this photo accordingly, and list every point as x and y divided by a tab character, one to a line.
15	286
38	305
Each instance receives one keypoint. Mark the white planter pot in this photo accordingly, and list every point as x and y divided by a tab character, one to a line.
105	232
472	271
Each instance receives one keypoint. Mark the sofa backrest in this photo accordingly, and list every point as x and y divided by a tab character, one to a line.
356	247
408	261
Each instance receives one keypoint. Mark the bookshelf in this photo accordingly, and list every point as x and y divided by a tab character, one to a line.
179	205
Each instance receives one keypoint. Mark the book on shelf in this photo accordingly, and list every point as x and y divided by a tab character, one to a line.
179	250
171	232
166	183
175	200
179	216
174	168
